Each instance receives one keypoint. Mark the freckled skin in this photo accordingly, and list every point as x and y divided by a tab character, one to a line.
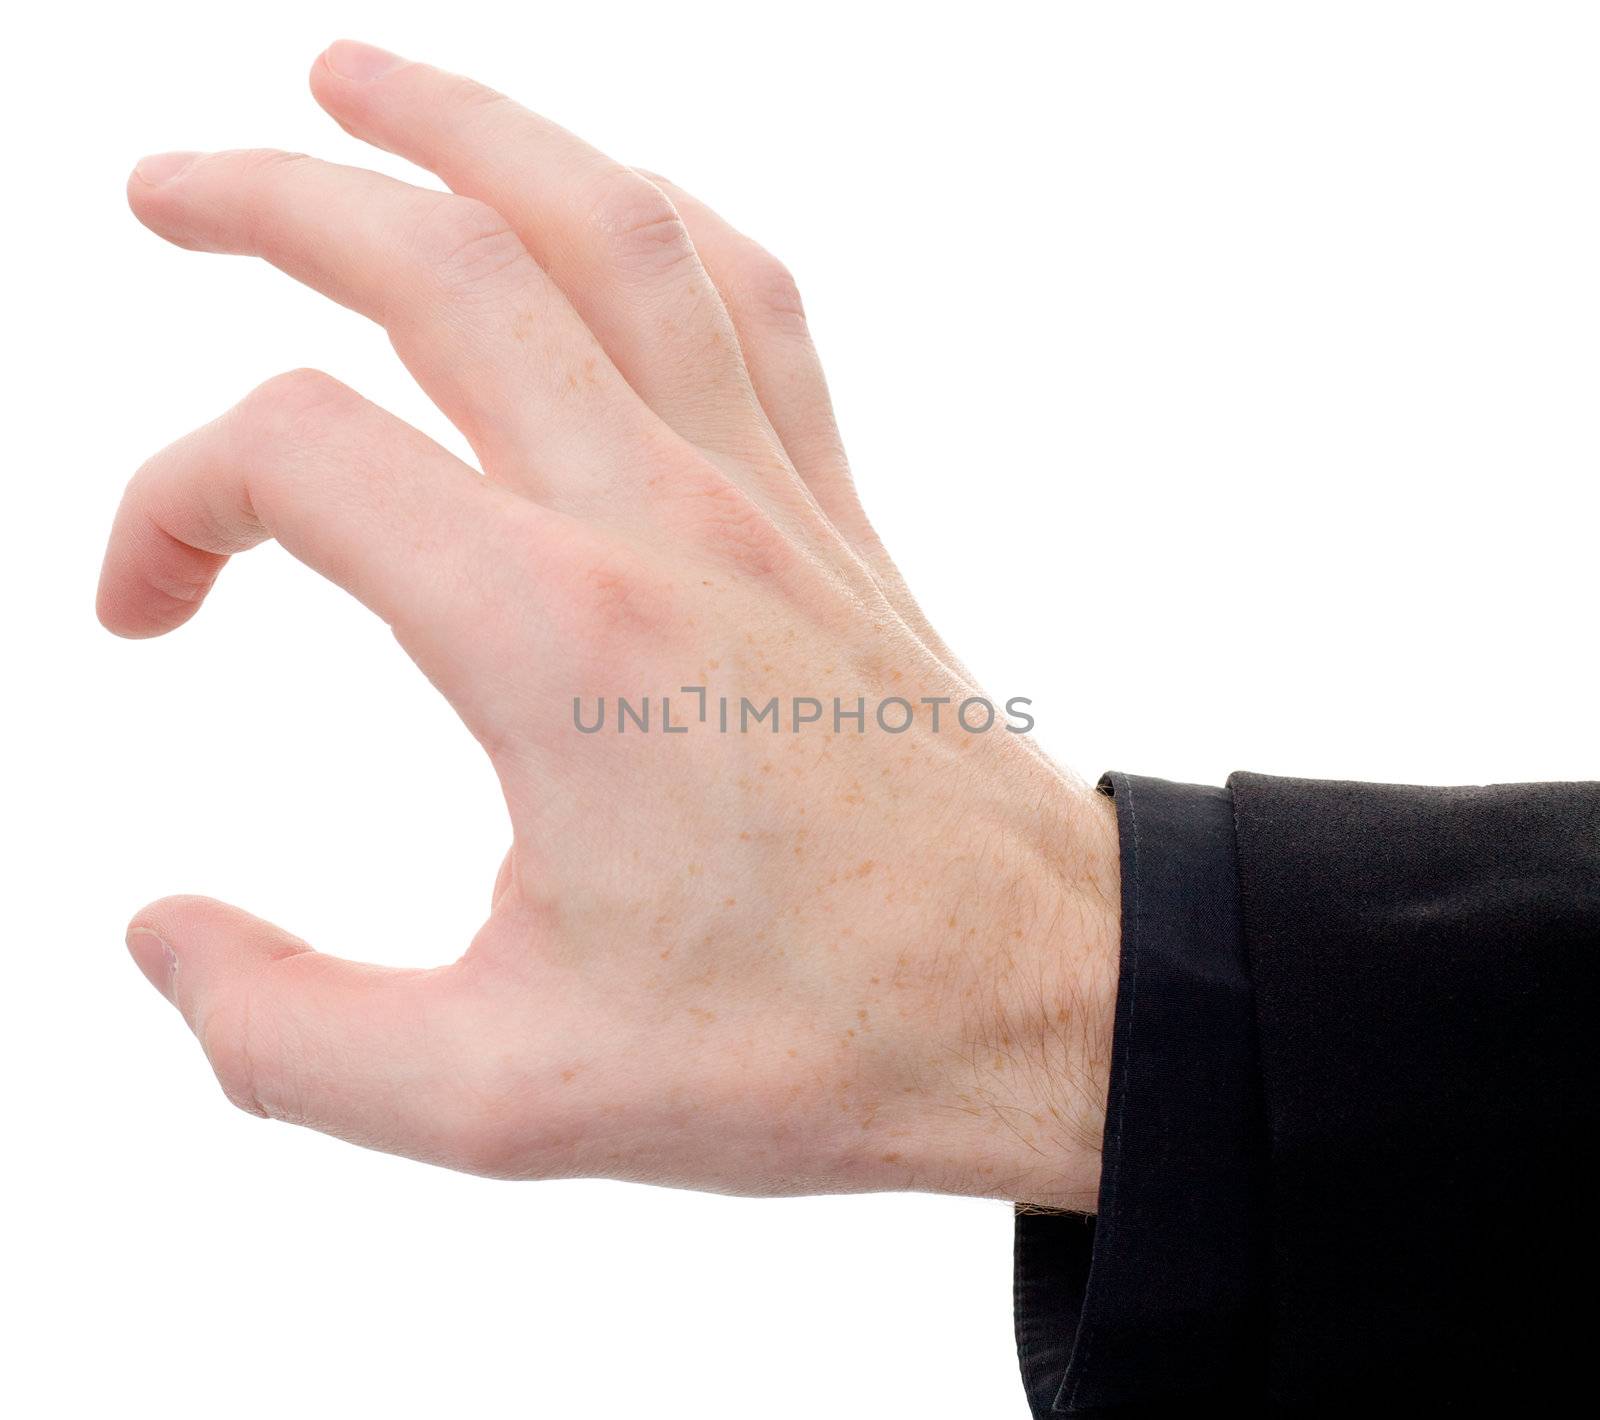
757	962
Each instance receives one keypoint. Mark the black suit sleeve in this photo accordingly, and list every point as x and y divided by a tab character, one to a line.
1364	1193
1423	962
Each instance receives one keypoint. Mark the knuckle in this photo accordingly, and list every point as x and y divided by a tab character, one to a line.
471	97
637	224
613	598
480	1142
725	518
467	244
484	1128
181	588
609	598
261	162
769	287
260	178
293	409
224	1035
297	393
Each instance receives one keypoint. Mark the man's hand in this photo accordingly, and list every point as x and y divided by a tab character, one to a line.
834	957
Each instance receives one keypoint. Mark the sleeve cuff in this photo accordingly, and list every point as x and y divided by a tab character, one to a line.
1159	1296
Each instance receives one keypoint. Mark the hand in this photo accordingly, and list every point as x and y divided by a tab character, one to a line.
828	958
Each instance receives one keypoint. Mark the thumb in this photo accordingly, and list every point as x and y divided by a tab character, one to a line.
378	1056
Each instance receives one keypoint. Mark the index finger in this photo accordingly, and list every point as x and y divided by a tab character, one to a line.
355	493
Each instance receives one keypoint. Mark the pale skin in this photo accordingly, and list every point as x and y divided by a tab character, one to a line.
806	962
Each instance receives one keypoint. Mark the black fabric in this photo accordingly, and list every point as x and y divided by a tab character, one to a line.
1171	1304
1424	962
1420	963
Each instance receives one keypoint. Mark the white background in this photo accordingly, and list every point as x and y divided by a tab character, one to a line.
1223	377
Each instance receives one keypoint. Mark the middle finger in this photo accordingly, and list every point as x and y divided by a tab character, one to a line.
611	240
480	325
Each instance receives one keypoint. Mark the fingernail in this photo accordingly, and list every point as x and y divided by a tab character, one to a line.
163	167
155	959
360	62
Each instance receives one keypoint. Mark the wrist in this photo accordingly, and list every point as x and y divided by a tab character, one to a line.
1001	1089
1045	1084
